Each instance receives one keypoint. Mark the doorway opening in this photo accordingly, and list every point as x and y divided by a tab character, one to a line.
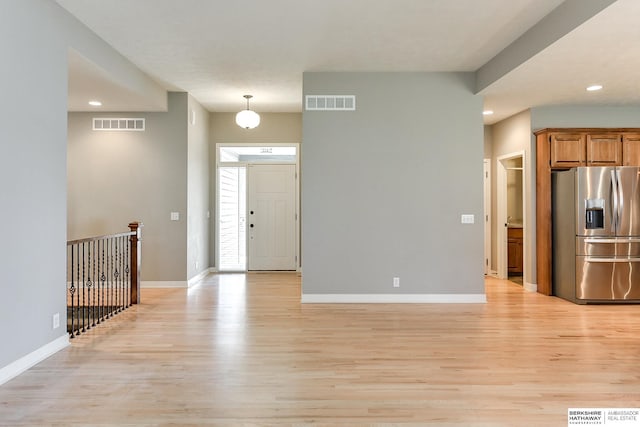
511	217
257	207
487	216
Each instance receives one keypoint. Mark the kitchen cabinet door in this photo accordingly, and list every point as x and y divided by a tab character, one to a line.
514	250
631	150
604	150
567	150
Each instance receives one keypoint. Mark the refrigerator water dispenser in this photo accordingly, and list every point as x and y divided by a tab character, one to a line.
594	215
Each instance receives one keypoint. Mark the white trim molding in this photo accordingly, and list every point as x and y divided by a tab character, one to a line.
531	287
14	369
198	277
393	298
163	284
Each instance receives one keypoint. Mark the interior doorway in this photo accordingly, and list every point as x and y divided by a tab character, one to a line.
487	216
257	207
511	217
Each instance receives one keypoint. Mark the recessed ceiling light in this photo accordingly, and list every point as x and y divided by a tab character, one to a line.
593	88
95	103
487	112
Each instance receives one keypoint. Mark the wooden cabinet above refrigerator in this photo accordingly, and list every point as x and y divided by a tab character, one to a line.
593	147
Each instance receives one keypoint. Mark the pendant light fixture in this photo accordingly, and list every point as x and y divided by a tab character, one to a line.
247	119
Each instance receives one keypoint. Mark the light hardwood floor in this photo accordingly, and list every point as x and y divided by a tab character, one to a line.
242	350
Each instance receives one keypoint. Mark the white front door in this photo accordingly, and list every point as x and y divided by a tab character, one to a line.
271	217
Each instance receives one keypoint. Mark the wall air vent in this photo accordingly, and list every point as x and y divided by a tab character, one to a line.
330	102
111	123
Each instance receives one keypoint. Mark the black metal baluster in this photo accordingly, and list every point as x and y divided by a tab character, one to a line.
72	290
78	290
95	282
120	303
84	290
114	281
127	260
88	285
123	267
123	259
110	281
116	276
103	278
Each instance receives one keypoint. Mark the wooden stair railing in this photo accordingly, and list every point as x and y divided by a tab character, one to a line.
103	278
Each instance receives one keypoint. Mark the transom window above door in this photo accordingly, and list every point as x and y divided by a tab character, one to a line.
249	154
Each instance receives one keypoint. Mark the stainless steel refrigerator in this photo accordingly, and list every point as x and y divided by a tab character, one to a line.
596	234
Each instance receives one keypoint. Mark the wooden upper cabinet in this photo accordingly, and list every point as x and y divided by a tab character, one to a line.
631	150
567	150
604	150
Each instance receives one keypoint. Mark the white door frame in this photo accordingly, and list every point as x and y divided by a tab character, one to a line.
297	191
501	232
487	216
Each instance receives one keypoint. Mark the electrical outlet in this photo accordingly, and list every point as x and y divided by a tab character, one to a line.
396	282
467	219
197	265
56	321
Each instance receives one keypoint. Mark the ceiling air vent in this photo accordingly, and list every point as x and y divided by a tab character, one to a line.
330	102
118	124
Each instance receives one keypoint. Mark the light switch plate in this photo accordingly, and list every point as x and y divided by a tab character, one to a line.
467	219
175	216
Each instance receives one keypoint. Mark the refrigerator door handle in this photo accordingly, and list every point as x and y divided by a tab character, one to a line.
616	240
620	199
609	260
614	208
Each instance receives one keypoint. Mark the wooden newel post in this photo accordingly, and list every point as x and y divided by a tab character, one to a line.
135	243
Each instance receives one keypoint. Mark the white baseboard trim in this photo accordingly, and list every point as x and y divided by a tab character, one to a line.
213	269
531	287
195	279
163	284
393	298
14	369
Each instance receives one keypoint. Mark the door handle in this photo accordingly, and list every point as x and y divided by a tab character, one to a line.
618	240
251	225
614	209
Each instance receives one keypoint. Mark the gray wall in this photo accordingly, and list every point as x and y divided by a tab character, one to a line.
488	142
197	189
35	37
512	135
383	187
274	128
32	176
115	177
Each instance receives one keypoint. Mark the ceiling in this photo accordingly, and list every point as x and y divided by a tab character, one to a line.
220	50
